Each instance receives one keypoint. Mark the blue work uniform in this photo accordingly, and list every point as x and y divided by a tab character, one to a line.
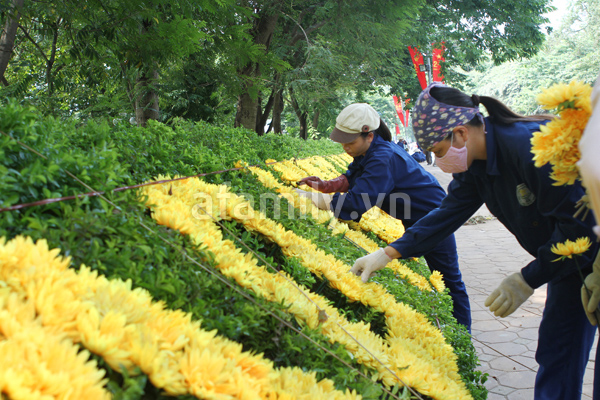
539	214
387	176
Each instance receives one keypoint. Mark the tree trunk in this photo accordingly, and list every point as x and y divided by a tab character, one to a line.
246	111
277	110
263	117
247	104
50	61
7	40
315	121
302	115
146	98
259	129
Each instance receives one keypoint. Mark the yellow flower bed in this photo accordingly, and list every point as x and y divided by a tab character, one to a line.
341	160
374	220
414	350
306	206
318	166
39	363
45	308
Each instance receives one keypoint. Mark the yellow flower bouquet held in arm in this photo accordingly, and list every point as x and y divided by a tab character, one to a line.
557	141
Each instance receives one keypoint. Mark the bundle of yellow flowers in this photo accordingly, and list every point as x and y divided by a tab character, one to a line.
557	141
382	224
318	166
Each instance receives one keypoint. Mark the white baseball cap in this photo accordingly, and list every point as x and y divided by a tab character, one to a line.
354	120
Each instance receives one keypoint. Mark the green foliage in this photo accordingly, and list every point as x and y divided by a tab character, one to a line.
189	148
96	58
570	53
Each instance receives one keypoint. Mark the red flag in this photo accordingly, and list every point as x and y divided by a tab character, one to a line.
417	59
397	129
437	60
399	110
406	111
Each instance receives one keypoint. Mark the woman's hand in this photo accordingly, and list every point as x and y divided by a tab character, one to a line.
339	184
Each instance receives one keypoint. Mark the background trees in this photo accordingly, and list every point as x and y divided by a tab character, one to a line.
570	53
265	65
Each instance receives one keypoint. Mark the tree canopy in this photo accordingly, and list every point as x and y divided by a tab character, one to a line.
241	62
572	52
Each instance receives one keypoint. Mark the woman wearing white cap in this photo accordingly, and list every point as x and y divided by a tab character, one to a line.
384	174
492	163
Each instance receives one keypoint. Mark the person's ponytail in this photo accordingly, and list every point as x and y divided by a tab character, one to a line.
499	113
383	131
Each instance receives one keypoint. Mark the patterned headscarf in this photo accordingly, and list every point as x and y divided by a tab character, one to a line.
433	121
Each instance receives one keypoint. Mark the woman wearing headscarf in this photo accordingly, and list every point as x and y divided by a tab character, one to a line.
492	164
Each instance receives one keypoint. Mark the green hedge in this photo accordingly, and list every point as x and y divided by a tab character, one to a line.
113	241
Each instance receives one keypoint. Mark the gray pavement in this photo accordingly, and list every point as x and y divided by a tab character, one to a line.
487	253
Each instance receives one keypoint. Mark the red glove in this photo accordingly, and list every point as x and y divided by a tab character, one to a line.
339	184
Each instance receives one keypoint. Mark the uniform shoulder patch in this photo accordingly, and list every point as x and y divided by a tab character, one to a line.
524	195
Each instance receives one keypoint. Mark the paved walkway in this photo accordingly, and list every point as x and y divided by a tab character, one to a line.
505	346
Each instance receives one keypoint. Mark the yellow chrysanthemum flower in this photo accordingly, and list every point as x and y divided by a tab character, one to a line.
557	141
568	249
42	361
559	94
437	282
240	164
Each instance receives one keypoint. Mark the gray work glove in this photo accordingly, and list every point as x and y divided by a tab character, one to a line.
321	200
509	296
590	301
366	266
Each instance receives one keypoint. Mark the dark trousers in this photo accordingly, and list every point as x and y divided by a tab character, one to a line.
597	375
443	258
564	343
428	157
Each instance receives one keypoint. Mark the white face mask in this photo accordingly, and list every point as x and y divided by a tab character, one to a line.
454	161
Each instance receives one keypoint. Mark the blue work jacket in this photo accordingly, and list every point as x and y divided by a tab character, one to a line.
387	176
520	195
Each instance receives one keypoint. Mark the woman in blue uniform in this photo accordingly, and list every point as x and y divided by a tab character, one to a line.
385	175
492	164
